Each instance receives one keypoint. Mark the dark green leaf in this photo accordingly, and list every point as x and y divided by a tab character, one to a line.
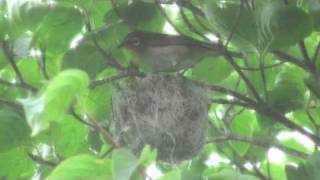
14	131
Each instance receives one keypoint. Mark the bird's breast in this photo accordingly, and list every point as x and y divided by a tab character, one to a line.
167	58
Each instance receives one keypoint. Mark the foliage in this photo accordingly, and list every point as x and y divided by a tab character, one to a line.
61	63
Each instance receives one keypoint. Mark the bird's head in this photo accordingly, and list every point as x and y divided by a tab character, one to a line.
134	41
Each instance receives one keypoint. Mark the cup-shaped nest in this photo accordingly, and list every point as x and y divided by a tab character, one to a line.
169	113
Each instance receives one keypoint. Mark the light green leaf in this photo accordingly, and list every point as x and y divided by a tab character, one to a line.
31	71
148	156
212	70
67	87
243	124
69	137
229	174
123	163
16	164
82	167
172	175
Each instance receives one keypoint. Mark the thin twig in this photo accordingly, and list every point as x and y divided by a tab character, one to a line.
191	27
10	56
230	102
316	53
18	85
110	60
188	4
13	104
235	24
116	9
259	107
237	68
304	51
75	115
43	63
108	152
263	76
96	83
40	160
105	134
198	20
288	58
227	91
265	67
260	175
258	142
163	12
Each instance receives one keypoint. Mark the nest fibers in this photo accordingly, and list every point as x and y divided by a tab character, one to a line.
169	113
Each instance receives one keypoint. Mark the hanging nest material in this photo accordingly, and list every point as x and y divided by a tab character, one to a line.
169	113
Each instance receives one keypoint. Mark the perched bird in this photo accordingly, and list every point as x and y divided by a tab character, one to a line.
156	52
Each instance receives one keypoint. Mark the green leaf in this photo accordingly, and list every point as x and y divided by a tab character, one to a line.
32	14
30	71
223	15
150	20
172	175
59	26
16	164
278	29
123	163
288	93
14	131
148	156
276	171
63	89
299	173
4	25
294	144
193	170
312	165
243	124
55	101
229	174
309	170
212	70
82	167
85	57
98	102
69	137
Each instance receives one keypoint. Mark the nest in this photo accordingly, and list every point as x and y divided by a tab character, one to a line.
169	113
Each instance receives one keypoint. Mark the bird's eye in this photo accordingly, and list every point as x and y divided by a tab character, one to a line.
136	41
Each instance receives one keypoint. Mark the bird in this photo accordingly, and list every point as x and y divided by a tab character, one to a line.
158	52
